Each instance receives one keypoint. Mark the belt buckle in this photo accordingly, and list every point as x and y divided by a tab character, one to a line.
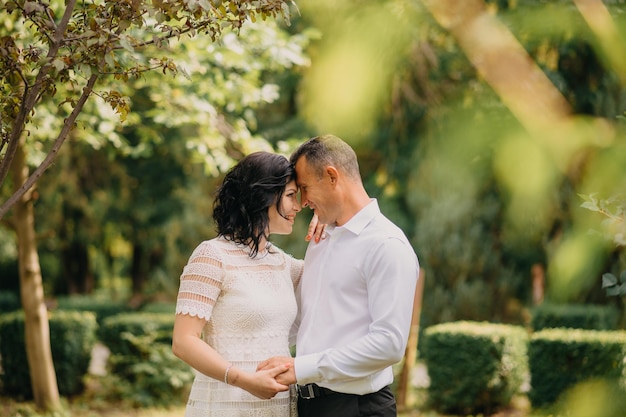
309	388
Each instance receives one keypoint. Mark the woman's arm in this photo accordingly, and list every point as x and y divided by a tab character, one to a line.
188	345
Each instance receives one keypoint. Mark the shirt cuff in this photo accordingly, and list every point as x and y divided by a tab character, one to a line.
306	369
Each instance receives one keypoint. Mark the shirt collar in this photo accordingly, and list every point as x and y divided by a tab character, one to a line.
358	222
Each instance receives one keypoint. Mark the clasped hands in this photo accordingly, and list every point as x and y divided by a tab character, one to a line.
271	377
285	378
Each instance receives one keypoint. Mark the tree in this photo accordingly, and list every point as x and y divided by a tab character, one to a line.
94	41
142	183
77	46
526	152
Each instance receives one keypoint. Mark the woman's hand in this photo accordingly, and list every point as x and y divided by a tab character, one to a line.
288	376
316	230
262	384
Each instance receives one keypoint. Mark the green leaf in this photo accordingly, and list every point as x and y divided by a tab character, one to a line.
110	60
125	42
593	206
622	276
85	70
608	280
58	64
613	291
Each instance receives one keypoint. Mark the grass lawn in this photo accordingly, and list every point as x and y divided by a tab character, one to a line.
82	407
11	408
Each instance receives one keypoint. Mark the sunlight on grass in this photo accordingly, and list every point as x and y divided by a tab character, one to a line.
11	408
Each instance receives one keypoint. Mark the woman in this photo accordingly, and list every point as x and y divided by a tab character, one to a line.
236	300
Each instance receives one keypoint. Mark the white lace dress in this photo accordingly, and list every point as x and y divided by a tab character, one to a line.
249	305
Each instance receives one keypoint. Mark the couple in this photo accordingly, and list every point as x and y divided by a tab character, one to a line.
237	314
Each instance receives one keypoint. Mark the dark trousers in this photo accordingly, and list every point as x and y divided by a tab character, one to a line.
376	404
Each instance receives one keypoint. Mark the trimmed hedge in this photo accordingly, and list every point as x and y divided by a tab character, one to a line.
160	307
575	316
561	358
101	307
113	330
474	367
72	337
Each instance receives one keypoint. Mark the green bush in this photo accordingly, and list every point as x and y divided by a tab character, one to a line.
561	358
9	301
101	307
149	375
136	324
72	337
15	375
160	307
142	365
474	367
575	316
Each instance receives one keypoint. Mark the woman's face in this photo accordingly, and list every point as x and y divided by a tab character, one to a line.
281	223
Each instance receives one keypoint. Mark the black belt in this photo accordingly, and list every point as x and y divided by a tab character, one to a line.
310	391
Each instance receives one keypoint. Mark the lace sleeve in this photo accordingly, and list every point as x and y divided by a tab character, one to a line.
200	282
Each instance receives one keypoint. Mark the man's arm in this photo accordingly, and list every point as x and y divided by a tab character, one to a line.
391	286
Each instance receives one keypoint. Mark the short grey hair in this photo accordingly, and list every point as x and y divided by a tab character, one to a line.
325	150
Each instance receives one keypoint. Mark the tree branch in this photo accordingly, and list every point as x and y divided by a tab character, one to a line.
45	164
597	16
32	94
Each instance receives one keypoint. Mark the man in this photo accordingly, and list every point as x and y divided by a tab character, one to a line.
356	293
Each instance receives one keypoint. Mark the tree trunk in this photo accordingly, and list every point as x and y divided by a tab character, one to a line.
410	356
503	62
76	269
37	328
137	274
137	268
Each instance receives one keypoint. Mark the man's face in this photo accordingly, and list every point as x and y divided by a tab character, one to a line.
315	192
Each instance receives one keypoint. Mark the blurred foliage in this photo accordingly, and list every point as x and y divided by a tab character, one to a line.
9	302
143	371
482	197
102	307
612	286
72	337
148	376
574	316
112	332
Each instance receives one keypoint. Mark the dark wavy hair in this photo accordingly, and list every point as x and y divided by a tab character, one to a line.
240	209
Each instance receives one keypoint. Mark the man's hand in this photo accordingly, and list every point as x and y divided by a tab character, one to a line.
287	377
316	230
263	383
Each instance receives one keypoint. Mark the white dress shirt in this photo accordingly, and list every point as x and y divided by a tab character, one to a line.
355	304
